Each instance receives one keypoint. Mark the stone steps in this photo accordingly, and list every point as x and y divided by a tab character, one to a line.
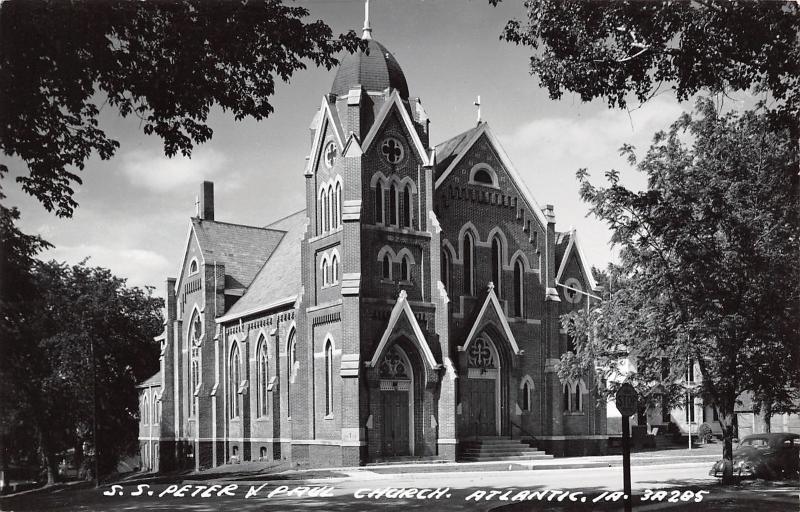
499	449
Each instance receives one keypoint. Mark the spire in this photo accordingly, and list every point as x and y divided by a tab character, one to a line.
367	34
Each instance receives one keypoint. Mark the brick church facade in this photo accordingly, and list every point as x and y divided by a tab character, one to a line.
411	307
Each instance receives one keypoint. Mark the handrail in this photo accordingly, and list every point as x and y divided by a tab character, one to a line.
522	430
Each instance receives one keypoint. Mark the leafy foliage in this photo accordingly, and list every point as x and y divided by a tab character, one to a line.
77	320
708	260
612	49
167	63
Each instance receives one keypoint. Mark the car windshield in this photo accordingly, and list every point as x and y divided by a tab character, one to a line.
755	442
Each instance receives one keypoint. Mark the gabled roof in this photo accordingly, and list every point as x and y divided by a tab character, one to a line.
242	249
565	244
325	116
403	307
451	148
395	101
278	281
153	380
460	148
491	301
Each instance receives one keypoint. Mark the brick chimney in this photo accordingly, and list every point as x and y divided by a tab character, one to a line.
207	201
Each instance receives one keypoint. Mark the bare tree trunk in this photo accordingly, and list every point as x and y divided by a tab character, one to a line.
726	422
766	409
49	459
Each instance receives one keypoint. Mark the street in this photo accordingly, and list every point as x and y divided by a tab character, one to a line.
684	486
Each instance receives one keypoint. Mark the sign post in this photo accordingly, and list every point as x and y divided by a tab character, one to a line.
627	403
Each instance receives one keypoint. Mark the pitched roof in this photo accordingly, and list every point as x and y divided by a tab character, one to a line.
242	249
562	242
153	380
279	278
449	149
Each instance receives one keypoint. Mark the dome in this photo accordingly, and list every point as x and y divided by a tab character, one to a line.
375	71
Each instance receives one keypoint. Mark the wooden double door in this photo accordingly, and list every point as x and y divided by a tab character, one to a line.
482	407
396	420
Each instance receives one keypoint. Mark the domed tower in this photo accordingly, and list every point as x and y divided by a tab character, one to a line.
371	307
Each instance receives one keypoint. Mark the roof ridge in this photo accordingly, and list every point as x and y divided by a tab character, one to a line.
232	224
460	134
282	219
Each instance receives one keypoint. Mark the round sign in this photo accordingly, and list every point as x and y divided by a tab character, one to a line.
626	400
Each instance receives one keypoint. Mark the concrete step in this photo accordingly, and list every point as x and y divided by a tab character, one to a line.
538	456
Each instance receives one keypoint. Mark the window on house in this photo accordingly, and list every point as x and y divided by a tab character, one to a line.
526	396
393	205
518	288
338	204
407	206
690	371
467	257
331	208
328	379
405	269
534	237
334	269
145	411
323	211
379	204
195	380
497	262
263	376
566	396
292	353
193	267
387	267
234	380
483	176
577	405
689	410
445	269
154	415
325	276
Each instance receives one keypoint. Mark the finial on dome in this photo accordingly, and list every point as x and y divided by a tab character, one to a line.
367	34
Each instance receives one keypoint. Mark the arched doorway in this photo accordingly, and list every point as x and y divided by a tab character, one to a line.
397	403
483	391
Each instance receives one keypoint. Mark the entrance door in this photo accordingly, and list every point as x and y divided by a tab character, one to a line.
483	404
395	423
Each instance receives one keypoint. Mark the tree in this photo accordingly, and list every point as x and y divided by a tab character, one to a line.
613	49
79	320
167	63
708	258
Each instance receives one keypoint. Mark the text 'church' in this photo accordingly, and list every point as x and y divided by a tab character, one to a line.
410	310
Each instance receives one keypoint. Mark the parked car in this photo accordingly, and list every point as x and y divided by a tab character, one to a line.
764	456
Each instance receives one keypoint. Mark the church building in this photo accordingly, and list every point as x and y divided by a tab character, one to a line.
410	311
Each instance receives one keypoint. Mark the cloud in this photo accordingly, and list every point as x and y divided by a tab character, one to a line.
140	267
152	170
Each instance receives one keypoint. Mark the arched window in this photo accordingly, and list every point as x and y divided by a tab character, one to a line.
526	396
518	288
405	269
263	376
193	267
331	208
379	204
291	352
445	269
392	205
234	380
497	262
407	206
323	211
145	411
338	204
387	267
483	176
566	394
577	405
328	379
335	269
154	415
466	256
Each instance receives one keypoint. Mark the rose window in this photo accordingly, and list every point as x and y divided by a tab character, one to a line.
392	150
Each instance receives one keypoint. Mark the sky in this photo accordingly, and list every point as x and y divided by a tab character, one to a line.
134	209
